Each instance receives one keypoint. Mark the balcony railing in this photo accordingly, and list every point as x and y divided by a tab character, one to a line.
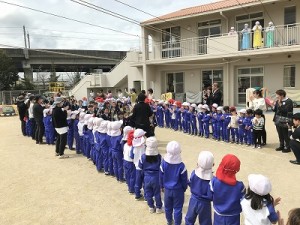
225	44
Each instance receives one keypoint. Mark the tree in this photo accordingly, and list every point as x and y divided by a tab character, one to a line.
42	77
8	72
24	84
74	75
53	77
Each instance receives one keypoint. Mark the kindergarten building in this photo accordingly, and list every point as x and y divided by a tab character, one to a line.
190	49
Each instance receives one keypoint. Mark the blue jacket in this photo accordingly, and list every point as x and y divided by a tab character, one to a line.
150	169
200	188
173	176
226	198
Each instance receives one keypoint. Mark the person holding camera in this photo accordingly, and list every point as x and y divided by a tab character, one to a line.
295	138
283	108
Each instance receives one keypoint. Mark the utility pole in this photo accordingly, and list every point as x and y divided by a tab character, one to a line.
25	39
28	39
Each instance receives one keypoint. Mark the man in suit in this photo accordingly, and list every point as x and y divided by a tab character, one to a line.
216	95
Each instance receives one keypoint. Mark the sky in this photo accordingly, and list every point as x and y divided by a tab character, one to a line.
47	31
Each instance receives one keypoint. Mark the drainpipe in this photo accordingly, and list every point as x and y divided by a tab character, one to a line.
226	18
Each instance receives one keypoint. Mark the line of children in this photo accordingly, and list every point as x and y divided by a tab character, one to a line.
221	123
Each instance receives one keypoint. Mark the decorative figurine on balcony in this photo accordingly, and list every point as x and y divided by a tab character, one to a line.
246	37
257	37
270	35
232	31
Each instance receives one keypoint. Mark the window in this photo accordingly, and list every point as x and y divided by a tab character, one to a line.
289	76
175	82
212	76
206	29
248	78
290	15
171	42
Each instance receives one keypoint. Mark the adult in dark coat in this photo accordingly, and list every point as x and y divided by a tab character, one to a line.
38	117
141	115
59	119
22	109
295	139
216	95
283	107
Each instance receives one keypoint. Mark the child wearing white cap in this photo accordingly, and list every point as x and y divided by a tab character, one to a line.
116	149
80	126
193	116
86	142
206	119
89	137
258	205
219	124
97	148
173	181
214	120
109	156
149	164
241	129
104	142
200	201
200	122
129	167
137	151
75	116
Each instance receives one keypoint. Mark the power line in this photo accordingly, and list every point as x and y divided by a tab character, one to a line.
67	18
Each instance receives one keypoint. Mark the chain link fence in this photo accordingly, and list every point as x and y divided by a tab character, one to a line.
9	97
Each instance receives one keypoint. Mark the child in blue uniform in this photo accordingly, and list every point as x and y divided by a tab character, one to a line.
200	122
86	142
187	118
183	116
227	192
242	131
193	116
201	198
90	138
206	119
104	144
80	126
233	125
249	127
173	180
167	114
150	164
178	125
98	153
49	129
219	124
129	167
214	120
109	157
160	114
116	150
258	205
226	116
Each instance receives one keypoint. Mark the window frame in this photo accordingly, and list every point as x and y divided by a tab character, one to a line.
289	76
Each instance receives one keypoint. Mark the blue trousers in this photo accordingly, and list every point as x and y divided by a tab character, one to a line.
201	130
249	137
214	129
105	159
234	134
110	163
206	129
194	129
188	125
77	141
173	124
138	182
81	143
168	121
93	153
70	138
50	136
129	170
174	200
226	220
152	189
99	157
219	133
199	208
242	135
118	165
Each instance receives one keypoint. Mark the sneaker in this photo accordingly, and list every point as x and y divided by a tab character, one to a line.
106	173
159	211
56	154
139	198
63	157
259	146
151	210
253	146
131	192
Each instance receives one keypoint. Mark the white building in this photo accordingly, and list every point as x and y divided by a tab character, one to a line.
188	50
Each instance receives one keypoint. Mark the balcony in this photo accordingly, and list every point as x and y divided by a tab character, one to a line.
225	44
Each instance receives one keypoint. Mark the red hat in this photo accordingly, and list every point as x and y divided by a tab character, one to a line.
178	103
171	101
130	137
147	101
232	109
227	169
99	100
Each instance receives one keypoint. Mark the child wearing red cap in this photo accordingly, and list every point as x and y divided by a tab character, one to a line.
227	192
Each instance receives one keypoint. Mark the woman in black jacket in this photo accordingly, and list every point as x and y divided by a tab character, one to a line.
283	108
141	115
59	119
38	117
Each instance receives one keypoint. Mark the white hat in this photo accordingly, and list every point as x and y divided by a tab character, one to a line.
115	128
151	146
90	123
188	104
173	153
184	104
259	184
205	164
220	108
86	118
194	105
82	116
232	28
97	123
126	131
45	112
205	107
108	128
243	111
103	127
160	102
166	103
138	139
200	106
74	113
215	105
